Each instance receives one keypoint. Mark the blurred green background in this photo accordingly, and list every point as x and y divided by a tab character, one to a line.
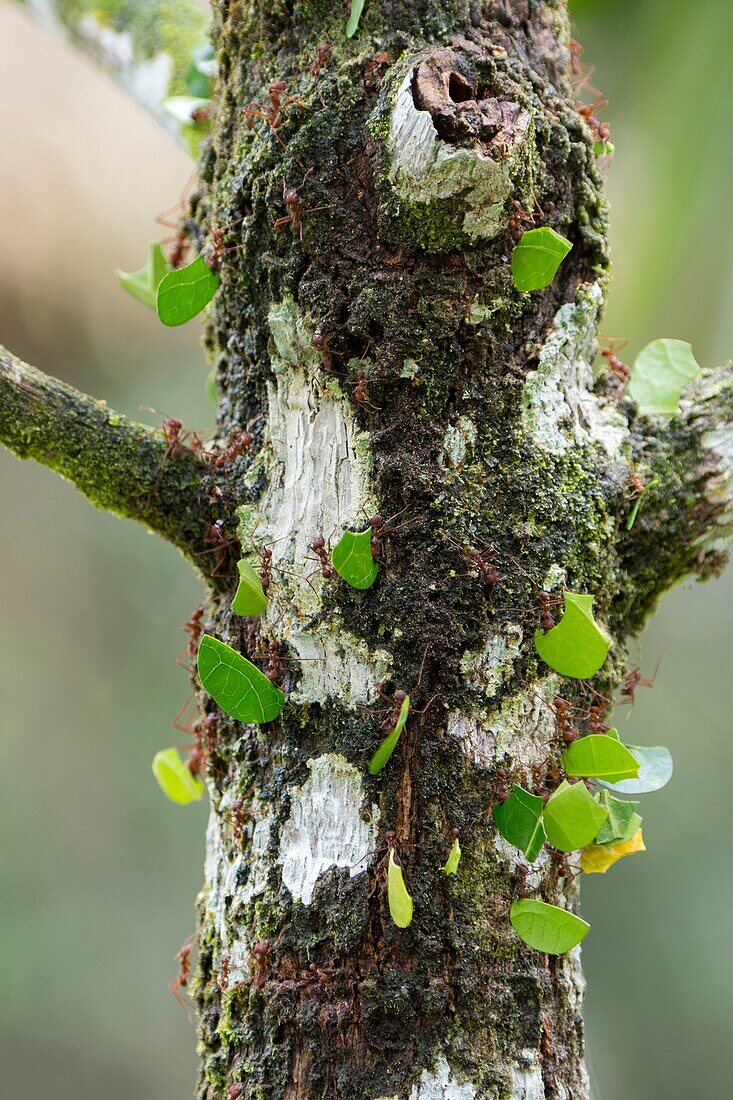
99	873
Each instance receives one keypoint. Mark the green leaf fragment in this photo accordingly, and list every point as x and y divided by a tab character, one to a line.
388	746
357	7
183	107
519	820
637	503
659	375
143	284
597	756
249	599
537	257
237	685
577	646
622	823
353	560
175	779
572	817
451	864
604	148
655	771
185	291
400	902
547	927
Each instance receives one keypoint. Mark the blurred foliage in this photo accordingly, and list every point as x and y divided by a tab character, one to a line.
100	871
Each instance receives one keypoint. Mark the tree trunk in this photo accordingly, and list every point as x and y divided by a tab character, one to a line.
368	334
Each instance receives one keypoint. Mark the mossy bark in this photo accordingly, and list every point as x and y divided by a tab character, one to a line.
362	198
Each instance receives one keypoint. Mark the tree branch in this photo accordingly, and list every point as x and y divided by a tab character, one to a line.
142	44
118	465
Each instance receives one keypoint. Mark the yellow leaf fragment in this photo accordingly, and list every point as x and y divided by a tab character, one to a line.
597	858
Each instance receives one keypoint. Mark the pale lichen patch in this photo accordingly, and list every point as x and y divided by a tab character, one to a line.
441	1084
560	411
488	669
326	827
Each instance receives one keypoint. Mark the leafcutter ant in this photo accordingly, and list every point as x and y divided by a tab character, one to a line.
381	527
633	680
486	568
618	368
295	208
219	544
601	130
239	443
183	958
278	99
194	628
322	56
321	343
236	1091
318	546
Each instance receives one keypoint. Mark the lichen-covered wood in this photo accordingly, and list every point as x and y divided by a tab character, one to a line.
362	198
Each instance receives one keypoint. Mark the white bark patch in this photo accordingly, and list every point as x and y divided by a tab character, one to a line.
488	669
233	876
425	168
440	1084
325	828
336	664
458	442
560	411
527	1081
520	728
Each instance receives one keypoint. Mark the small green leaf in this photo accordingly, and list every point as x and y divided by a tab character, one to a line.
519	820
604	148
144	283
388	746
183	107
577	646
660	373
249	599
572	817
202	68
175	779
184	292
236	684
622	821
353	560
536	258
400	902
357	7
547	927
596	756
451	864
655	771
637	503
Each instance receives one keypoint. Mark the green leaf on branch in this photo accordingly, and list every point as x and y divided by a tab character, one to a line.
659	375
353	560
357	7
547	927
175	779
622	823
185	291
604	148
576	647
519	820
249	599
655	771
388	746
572	817
637	503
537	257
400	902
451	864
143	284
237	685
597	756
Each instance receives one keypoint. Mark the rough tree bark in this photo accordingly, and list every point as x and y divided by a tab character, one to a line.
481	425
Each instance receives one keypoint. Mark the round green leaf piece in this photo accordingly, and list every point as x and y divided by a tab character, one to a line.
237	685
572	817
576	647
249	599
537	257
398	899
655	771
175	779
185	291
388	746
597	756
547	927
353	560
661	371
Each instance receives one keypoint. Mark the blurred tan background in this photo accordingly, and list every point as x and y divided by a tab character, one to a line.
99	872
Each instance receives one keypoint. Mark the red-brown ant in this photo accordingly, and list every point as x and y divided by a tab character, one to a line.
318	546
294	217
239	443
523	890
217	543
618	368
235	1091
194	628
632	681
320	342
381	527
224	972
260	956
323	55
486	569
175	438
278	99
360	393
562	710
601	130
183	958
